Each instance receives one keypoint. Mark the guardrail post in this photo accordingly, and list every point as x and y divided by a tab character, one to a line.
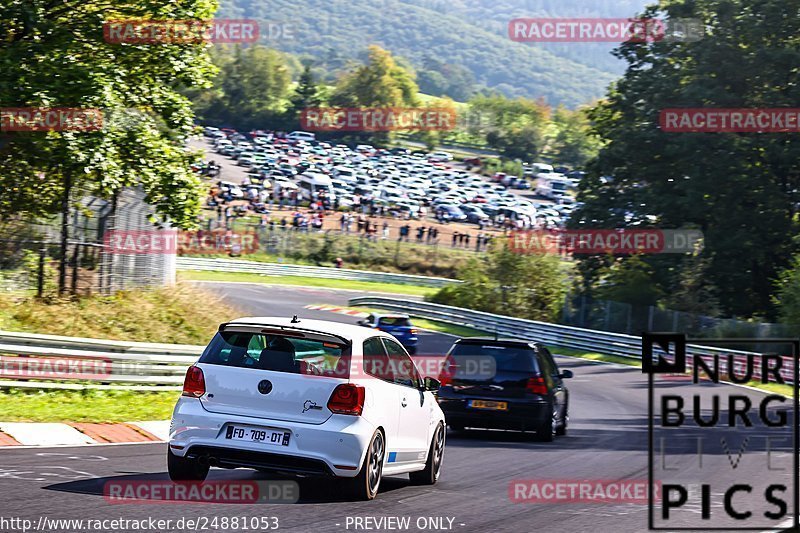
40	273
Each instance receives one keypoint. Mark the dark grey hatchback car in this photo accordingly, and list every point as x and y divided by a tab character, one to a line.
504	384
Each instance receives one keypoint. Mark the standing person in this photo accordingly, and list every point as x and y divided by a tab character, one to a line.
343	222
455	238
466	240
385	230
420	233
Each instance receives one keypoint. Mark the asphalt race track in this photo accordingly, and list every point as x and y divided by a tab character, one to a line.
607	440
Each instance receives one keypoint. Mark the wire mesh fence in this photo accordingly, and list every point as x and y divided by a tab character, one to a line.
32	256
618	317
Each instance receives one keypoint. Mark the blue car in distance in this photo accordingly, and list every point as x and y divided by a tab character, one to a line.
397	325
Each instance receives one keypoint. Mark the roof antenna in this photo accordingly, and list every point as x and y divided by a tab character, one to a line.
496	335
295	320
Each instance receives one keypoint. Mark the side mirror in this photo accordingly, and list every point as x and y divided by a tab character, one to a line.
431	384
566	374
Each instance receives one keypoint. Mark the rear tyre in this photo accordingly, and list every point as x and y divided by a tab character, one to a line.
183	469
546	431
430	475
365	485
561	430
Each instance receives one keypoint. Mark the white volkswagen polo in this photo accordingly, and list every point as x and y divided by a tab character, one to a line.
307	397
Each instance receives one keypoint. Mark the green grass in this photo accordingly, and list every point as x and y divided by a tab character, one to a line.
370	286
184	314
443	327
85	406
783	390
596	356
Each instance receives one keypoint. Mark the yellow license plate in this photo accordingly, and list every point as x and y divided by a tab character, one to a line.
484	404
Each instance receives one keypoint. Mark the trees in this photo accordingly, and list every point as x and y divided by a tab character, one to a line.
515	128
573	144
252	89
531	286
379	83
741	190
54	54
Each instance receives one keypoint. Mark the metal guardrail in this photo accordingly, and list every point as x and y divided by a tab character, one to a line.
276	269
49	361
54	362
588	340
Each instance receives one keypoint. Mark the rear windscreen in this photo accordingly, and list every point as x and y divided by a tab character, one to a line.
394	321
506	358
278	353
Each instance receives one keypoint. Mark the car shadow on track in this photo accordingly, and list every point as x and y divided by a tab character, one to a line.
312	490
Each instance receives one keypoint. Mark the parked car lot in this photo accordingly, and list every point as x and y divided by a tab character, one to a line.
407	185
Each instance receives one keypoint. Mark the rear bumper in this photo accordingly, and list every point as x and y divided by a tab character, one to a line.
522	414
336	447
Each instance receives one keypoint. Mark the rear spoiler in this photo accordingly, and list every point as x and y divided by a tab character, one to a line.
287	329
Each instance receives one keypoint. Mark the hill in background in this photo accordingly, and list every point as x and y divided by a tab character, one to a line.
466	39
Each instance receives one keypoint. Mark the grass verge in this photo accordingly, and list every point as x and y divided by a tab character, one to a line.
596	356
183	314
450	329
85	406
302	281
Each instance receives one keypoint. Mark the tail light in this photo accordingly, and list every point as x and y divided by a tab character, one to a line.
447	373
194	385
536	385
412	331
347	399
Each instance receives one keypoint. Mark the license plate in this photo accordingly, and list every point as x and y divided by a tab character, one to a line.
267	436
484	404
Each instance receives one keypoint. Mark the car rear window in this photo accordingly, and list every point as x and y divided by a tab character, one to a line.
278	353
394	321
507	358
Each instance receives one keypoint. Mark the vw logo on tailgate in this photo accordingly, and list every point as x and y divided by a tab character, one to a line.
265	386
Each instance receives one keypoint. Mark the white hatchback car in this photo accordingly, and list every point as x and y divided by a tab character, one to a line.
307	397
